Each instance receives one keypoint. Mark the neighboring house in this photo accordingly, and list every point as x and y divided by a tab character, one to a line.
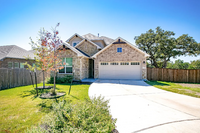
90	56
12	56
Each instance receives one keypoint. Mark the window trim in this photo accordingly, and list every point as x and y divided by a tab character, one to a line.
11	66
119	50
14	64
67	66
20	65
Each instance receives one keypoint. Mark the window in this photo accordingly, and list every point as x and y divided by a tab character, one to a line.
119	50
67	64
21	65
114	63
135	63
104	63
16	65
124	63
74	44
10	64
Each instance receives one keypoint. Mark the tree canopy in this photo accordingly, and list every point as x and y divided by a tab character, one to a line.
180	64
162	46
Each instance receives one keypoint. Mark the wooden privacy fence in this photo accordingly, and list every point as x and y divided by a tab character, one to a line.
173	75
10	78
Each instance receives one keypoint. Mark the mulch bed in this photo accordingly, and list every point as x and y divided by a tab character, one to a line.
50	96
46	87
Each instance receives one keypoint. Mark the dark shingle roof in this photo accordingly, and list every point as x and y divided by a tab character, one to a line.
93	37
13	51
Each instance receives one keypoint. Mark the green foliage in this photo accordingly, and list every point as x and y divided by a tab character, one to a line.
60	80
194	64
88	116
180	64
161	46
53	92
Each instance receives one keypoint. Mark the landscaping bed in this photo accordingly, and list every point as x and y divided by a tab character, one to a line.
50	96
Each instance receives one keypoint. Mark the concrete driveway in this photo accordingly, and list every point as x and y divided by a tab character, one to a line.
142	108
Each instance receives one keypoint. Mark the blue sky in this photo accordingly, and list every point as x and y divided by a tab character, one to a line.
21	19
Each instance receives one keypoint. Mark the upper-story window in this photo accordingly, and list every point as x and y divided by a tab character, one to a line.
119	50
74	44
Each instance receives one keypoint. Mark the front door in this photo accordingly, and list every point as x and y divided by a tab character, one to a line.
91	68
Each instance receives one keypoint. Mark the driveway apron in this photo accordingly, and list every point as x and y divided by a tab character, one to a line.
142	108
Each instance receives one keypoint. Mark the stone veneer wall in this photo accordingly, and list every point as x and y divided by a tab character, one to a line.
128	54
88	48
85	68
79	64
4	63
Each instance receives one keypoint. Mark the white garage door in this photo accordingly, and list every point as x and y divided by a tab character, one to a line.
120	70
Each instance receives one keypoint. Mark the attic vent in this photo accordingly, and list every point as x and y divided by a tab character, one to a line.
76	36
119	42
63	46
86	40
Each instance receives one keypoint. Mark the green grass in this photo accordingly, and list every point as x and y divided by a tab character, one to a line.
175	87
20	108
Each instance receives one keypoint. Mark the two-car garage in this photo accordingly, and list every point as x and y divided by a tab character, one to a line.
120	70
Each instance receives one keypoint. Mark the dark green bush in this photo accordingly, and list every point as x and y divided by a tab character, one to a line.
91	116
59	80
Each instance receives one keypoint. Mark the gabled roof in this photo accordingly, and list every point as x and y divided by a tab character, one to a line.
146	55
79	53
90	36
73	36
107	40
13	51
88	41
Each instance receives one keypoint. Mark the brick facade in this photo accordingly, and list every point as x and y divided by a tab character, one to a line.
88	48
128	54
4	63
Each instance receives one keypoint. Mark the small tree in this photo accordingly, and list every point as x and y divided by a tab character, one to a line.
52	57
41	53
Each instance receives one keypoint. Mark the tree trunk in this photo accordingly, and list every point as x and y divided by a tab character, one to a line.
43	79
36	83
54	80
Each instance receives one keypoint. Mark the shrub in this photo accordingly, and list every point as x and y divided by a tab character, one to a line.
88	116
52	91
60	80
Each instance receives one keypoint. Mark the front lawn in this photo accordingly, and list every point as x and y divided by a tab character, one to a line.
181	88
20	109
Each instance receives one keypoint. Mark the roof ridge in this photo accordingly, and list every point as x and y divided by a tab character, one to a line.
10	50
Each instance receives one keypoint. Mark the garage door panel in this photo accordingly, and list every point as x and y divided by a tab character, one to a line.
119	71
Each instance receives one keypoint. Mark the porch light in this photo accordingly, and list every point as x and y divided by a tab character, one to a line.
143	62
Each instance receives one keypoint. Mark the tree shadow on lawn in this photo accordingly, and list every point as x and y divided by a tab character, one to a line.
46	104
157	83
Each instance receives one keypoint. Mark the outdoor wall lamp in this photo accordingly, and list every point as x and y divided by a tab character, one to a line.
143	62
